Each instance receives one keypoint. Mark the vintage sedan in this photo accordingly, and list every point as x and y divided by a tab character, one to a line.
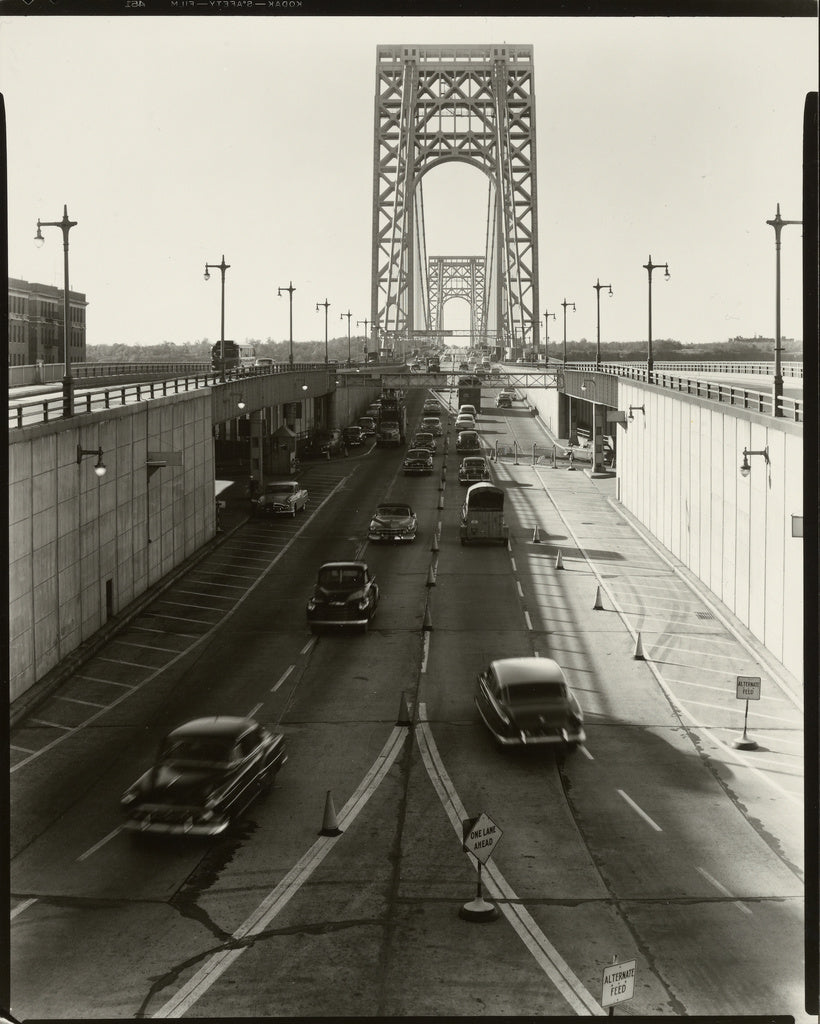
353	436
368	425
473	469
417	460
393	521
467	442
345	594
424	439
432	424
431	407
525	701
281	498
465	422
206	772
504	401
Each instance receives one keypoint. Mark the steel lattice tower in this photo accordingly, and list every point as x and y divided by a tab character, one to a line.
462	277
476	105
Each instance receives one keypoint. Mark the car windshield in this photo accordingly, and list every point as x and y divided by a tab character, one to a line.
474	463
341	576
209	749
280	489
418	453
535	692
393	510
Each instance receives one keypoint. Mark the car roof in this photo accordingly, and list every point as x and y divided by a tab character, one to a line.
419	451
218	725
475	458
282	483
344	565
510	671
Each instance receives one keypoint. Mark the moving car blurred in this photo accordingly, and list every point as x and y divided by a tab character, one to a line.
528	701
281	498
417	460
345	594
207	771
393	521
473	469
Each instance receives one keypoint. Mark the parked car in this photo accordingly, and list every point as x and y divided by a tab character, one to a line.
432	424
353	436
464	423
345	594
206	772
504	401
418	460
423	439
467	442
473	470
368	425
281	498
526	701
393	521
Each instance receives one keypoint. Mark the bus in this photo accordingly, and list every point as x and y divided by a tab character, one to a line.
236	357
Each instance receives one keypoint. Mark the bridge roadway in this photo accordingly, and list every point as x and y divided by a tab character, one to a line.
657	841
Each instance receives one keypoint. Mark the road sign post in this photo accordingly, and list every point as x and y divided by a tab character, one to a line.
748	688
617	983
480	836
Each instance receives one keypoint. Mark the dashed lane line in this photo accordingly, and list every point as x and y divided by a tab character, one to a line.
639	810
724	890
282	678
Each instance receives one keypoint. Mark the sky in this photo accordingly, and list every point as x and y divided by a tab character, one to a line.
176	141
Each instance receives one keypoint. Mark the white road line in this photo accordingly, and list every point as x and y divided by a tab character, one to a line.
757	714
167	632
585	752
725	891
122	661
20	908
278	898
109	682
426	652
96	846
308	645
203	593
282	678
512	562
226	586
642	813
23	750
173	618
145	647
528	620
187	604
520	591
546	956
254	709
76	700
51	725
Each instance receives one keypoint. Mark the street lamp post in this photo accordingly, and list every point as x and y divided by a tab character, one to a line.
777	390
290	290
68	381
598	286
348	314
649	267
366	335
565	304
222	267
326	304
547	334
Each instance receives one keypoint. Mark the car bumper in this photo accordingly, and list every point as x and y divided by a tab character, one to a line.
554	736
158	824
381	535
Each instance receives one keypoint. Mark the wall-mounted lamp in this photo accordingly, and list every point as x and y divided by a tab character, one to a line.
304	387
99	468
240	402
745	468
633	407
588	383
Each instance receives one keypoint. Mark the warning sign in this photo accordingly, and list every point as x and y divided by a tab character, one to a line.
480	836
748	687
618	983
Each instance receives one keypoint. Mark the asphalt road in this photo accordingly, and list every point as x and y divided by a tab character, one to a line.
655	842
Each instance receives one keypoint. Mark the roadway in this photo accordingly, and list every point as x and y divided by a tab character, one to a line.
656	841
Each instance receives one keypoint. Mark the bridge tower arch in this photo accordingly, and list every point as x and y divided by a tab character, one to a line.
474	104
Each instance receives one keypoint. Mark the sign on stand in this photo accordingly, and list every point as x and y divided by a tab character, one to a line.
748	688
479	836
618	983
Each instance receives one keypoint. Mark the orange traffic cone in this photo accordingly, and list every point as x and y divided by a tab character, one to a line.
599	604
536	536
638	655
559	561
330	826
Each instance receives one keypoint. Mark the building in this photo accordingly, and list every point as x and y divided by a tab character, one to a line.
36	324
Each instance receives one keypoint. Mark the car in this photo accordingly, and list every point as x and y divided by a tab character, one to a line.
345	594
525	701
432	424
473	469
431	407
504	401
368	425
281	498
467	441
393	521
353	436
263	361
464	366
417	460
206	772
468	410
373	410
465	423
424	439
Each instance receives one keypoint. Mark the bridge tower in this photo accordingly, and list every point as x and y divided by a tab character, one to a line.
460	277
474	104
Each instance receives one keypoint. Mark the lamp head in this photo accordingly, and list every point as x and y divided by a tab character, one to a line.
38	238
745	468
206	275
610	290
241	403
667	275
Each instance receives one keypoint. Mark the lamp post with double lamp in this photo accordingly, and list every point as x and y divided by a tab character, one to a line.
649	267
290	290
598	286
348	314
547	335
65	226
565	304
221	267
326	304
777	389
366	335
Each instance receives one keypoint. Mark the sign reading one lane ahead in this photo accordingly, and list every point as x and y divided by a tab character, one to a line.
480	836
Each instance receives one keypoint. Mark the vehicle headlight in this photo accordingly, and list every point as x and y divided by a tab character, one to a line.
311	603
129	798
362	603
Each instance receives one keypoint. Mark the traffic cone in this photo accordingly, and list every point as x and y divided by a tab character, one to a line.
443	472
638	655
599	604
536	536
434	545
431	579
428	621
330	826
559	561
404	717
441	501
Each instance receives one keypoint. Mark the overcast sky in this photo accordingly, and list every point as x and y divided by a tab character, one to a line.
174	141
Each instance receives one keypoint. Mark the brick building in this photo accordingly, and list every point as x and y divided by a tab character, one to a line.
36	324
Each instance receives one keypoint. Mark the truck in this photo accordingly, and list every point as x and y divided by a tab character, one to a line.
469	392
392	416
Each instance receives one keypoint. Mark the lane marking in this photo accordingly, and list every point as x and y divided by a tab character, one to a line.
642	813
282	678
165	632
109	682
520	591
144	647
52	725
20	908
102	842
76	700
23	750
528	620
512	562
586	753
280	896
254	709
425	653
308	645
725	891
758	714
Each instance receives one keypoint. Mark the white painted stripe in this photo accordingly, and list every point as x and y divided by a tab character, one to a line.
20	908
187	604
110	682
167	632
781	737
23	750
145	647
642	813
122	661
512	563
76	700
585	752
282	678
725	891
528	620
102	842
253	710
308	645
225	586
520	591
52	725
174	618
738	708
278	898
203	593
425	652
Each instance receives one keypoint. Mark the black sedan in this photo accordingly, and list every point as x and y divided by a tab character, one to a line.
417	460
527	701
207	771
467	442
473	470
346	594
393	521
